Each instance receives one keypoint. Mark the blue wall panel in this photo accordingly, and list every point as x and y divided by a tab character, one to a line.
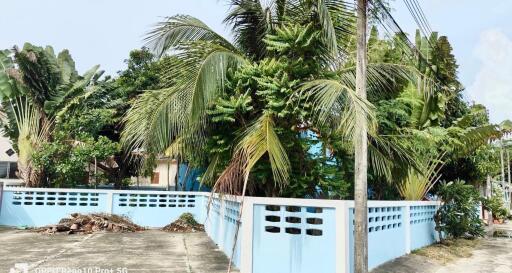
34	209
156	209
386	235
422	226
290	239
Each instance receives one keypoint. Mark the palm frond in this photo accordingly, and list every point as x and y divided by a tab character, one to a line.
338	104
66	97
203	68
386	153
251	21
179	29
158	117
327	27
418	183
154	120
234	177
383	78
260	139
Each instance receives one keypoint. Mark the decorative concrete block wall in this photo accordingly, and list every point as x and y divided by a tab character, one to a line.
274	235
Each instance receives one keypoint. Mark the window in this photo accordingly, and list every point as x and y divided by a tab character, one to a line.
8	169
155	179
13	169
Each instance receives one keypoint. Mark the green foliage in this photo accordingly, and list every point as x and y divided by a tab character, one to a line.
66	161
142	73
496	205
458	214
188	218
249	111
487	161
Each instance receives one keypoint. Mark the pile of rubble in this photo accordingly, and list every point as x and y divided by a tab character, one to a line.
89	223
186	223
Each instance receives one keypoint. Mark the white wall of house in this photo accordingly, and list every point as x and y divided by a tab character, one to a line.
8	162
165	172
5	145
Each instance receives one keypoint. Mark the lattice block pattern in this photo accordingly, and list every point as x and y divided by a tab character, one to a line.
386	227
72	199
39	208
422	214
384	218
215	206
221	225
156	200
231	211
294	220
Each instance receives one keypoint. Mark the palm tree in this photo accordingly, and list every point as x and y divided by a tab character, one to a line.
176	120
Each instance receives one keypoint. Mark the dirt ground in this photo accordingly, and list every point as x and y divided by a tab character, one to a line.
150	251
492	255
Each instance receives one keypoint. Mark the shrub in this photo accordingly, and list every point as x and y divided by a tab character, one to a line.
496	205
458	215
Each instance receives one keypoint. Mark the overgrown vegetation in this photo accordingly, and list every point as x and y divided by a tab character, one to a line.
458	215
496	205
271	110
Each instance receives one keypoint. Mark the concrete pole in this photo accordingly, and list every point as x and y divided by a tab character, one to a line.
361	148
502	163
490	221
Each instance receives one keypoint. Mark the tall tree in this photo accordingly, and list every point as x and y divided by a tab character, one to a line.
361	148
41	91
298	77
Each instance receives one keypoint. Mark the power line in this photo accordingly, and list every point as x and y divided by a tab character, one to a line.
398	30
417	4
392	34
417	18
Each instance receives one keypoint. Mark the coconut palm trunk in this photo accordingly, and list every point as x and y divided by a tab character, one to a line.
361	148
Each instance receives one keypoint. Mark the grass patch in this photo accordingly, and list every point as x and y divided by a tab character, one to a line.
448	250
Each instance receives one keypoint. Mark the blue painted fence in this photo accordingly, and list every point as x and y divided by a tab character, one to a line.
275	235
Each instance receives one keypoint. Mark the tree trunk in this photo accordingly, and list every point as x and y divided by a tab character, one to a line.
95	173
502	163
361	149
168	174
490	220
509	195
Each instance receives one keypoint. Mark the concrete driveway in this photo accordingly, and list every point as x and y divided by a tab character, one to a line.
492	255
149	251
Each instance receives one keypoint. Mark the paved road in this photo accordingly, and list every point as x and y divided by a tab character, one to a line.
490	256
142	252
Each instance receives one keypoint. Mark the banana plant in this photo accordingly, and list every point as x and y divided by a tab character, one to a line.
37	89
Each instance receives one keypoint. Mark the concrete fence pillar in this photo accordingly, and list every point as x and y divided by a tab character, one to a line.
110	203
342	237
246	231
1	194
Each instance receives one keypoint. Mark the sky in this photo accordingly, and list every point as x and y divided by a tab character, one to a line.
104	31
